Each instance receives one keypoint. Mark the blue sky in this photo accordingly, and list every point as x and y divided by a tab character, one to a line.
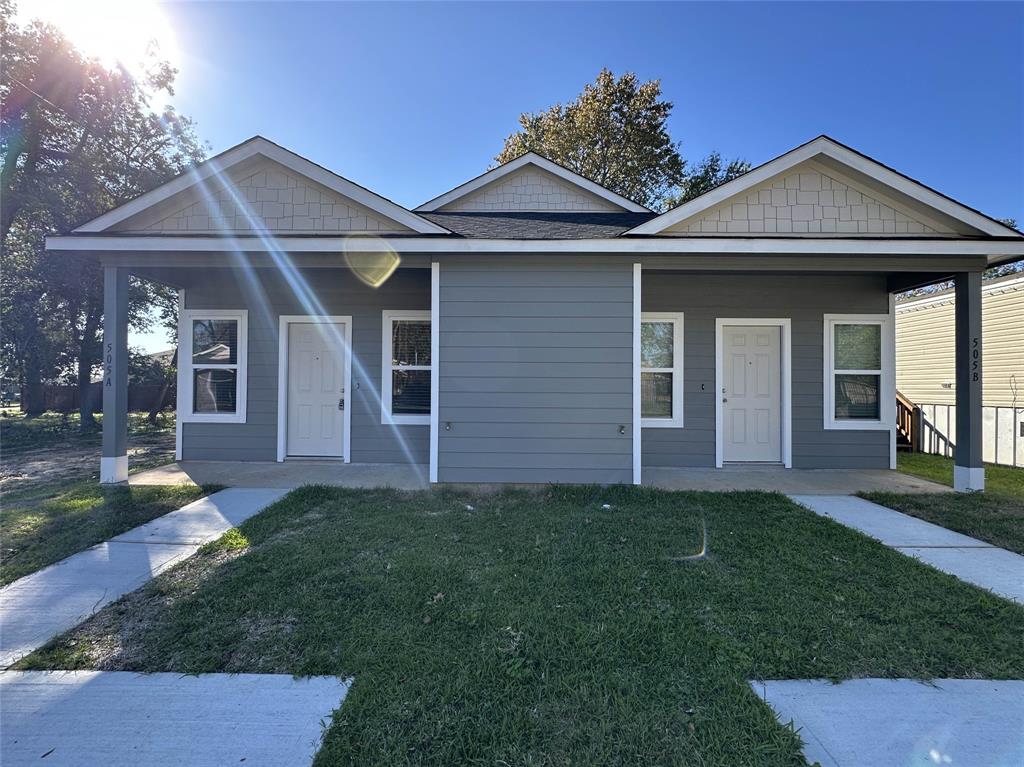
413	99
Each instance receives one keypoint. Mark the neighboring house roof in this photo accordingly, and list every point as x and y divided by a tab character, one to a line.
553	225
545	167
1008	282
825	156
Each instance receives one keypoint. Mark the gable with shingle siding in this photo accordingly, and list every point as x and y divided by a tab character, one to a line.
271	197
530	189
805	200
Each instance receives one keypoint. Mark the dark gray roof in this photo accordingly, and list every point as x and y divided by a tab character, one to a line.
551	225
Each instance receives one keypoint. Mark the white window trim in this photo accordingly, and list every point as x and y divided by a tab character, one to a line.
185	367
886	384
676	419
386	417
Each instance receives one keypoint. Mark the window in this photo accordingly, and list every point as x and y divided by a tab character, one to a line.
661	370
407	368
212	367
858	372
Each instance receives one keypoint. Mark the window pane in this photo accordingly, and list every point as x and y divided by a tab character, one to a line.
656	395
857	397
656	344
858	347
410	342
214	342
214	391
410	392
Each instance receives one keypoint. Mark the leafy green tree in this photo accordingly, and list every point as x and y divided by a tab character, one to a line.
616	134
613	133
76	139
712	171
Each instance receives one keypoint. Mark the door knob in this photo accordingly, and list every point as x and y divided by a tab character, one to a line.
341	404
724	399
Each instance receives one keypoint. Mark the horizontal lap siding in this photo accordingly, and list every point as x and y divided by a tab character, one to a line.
804	300
536	370
337	292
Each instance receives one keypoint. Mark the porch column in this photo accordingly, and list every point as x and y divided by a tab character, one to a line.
114	460
968	470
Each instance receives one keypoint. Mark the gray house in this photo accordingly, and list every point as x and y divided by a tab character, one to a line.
531	326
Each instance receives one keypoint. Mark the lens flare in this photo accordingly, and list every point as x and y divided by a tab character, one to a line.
371	268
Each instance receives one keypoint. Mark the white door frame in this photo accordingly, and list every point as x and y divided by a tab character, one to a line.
787	381
282	377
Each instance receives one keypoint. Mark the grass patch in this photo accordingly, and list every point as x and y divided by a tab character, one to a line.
990	517
995	516
47	522
1002	480
20	433
544	628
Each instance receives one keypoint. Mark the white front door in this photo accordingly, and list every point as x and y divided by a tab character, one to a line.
316	389
752	393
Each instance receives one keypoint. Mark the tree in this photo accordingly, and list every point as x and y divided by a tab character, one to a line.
613	133
711	172
616	134
76	139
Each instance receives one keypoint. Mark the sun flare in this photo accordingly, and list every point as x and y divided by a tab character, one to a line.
127	33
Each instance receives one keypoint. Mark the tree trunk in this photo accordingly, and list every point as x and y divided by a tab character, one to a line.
86	362
158	402
33	401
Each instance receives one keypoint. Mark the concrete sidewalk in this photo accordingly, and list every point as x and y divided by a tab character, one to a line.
903	721
979	563
121	719
41	605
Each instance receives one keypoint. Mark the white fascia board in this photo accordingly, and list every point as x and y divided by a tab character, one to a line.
530	158
858	162
996	250
948	296
215	166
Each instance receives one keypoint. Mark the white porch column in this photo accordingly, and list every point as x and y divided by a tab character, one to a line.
114	460
435	365
968	469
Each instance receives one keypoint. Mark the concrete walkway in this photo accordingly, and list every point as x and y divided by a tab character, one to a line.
122	719
41	605
971	560
288	474
903	722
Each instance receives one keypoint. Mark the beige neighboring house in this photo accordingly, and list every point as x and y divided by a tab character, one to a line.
926	376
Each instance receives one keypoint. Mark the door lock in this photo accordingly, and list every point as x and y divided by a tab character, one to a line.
341	404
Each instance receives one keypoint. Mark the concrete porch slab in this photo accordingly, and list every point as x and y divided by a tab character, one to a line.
789	481
288	474
41	605
117	718
902	721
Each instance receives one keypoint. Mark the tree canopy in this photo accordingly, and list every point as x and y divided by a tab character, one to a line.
615	133
76	139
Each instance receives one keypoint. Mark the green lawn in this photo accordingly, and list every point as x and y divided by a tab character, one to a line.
49	521
995	516
19	433
1002	480
541	628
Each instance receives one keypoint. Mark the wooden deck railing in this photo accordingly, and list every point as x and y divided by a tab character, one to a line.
908	424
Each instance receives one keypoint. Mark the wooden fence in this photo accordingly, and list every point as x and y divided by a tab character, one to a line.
66	399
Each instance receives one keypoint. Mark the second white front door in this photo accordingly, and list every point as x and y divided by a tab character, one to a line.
752	393
316	389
